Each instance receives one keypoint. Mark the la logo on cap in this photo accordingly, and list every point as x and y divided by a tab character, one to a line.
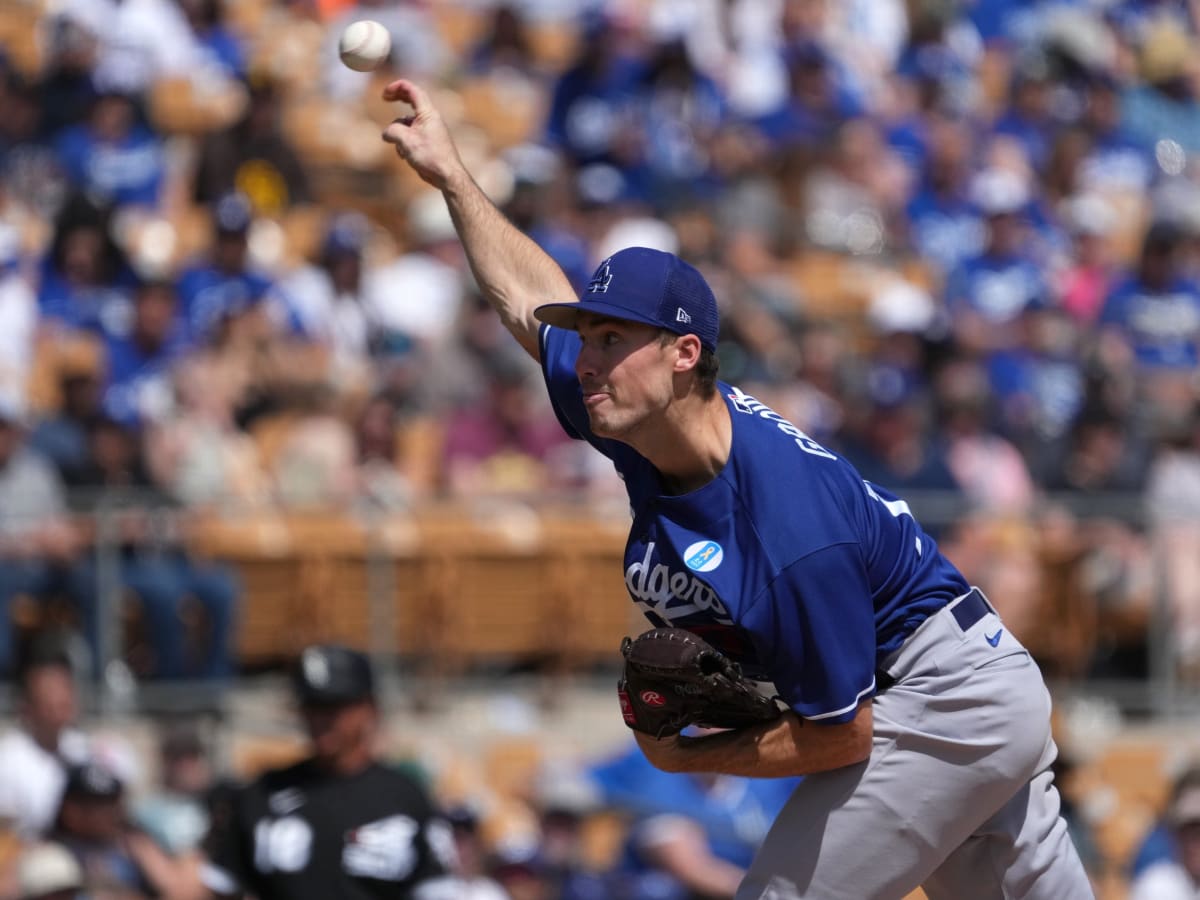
316	667
601	280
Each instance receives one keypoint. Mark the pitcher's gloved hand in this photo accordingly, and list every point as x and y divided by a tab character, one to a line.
673	679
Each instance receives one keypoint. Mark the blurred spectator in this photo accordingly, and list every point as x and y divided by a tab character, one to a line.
382	481
939	65
197	454
433	270
68	86
48	871
1083	285
986	294
1061	179
417	47
692	835
543	207
1038	384
62	436
1027	116
906	326
472	881
314	466
738	44
112	156
517	870
892	446
756	344
253	156
1162	109
564	799
1177	878
137	42
1101	455
85	279
29	172
818	401
34	754
1173	507
1158	845
154	565
138	386
219	47
944	227
817	104
590	116
92	823
176	814
41	551
852	199
990	470
1115	160
340	823
327	298
869	37
1153	313
1102	464
221	295
506	444
678	110
505	48
18	311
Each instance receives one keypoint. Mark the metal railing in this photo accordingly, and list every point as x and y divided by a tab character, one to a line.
1160	693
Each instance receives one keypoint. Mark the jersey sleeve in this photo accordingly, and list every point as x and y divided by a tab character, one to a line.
437	855
815	628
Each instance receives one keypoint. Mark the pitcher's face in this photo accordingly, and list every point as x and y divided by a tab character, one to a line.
626	372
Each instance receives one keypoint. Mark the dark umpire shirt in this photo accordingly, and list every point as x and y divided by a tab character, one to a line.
301	833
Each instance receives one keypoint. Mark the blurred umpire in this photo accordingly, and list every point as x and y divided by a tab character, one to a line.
338	824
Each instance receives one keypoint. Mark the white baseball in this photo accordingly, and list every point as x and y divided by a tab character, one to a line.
364	45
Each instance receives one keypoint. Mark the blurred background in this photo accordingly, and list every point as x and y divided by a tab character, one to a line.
250	397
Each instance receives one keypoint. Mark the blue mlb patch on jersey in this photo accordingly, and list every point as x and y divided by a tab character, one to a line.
703	556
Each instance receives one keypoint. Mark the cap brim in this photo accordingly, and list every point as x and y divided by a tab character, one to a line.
565	315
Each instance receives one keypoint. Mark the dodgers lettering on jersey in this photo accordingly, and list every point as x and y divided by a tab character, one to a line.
787	561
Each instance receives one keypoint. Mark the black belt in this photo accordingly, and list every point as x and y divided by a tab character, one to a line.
967	611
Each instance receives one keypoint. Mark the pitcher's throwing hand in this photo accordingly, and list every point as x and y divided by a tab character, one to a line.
421	138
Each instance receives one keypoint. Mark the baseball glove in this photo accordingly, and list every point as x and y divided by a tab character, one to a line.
673	679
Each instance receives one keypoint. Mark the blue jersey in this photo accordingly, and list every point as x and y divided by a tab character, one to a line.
787	561
207	295
128	171
1162	326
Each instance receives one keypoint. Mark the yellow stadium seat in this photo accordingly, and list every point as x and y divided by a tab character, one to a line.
20	35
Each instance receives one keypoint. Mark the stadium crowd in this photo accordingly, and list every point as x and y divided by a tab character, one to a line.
956	240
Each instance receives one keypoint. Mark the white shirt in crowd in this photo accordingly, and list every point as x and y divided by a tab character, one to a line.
32	779
1164	881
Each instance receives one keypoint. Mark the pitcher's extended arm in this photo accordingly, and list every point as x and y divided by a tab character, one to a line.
513	272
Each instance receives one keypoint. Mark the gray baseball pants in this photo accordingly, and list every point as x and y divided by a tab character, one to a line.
956	797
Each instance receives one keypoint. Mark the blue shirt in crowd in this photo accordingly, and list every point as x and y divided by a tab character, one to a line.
997	287
1162	326
139	380
207	295
129	171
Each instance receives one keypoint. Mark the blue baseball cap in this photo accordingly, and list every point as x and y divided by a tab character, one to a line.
638	284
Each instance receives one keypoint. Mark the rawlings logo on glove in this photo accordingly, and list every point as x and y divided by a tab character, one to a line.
673	679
